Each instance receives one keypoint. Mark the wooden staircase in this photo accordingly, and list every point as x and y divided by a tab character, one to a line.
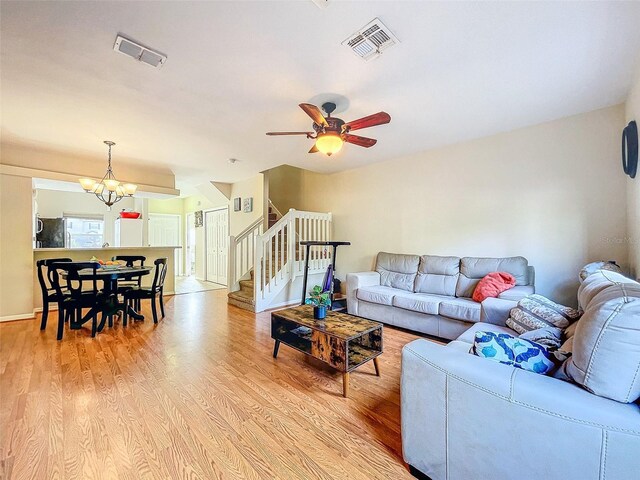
245	297
277	260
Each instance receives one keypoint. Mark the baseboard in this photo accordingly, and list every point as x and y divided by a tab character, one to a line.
21	316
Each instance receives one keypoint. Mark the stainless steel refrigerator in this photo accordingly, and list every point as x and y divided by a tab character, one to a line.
50	233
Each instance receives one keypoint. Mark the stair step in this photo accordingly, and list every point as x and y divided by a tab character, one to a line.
246	286
242	300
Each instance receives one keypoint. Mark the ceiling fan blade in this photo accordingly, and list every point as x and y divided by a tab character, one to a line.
360	141
314	149
315	114
289	133
379	118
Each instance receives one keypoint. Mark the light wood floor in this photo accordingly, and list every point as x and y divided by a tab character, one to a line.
197	396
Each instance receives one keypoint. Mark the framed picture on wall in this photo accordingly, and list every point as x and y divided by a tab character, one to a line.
247	204
198	218
237	204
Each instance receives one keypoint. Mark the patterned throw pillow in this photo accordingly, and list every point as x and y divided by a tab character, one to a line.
514	351
536	311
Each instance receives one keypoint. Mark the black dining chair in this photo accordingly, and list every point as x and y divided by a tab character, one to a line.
82	291
131	261
49	294
156	290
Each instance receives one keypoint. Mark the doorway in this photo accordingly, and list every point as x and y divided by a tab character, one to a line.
216	223
190	258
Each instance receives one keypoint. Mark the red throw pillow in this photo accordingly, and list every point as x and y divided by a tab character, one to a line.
493	285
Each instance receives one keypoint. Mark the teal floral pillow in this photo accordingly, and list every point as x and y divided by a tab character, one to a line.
510	350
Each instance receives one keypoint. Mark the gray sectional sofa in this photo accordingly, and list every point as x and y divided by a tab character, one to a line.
432	294
466	417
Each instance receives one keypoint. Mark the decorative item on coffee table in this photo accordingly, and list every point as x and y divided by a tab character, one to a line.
343	341
320	300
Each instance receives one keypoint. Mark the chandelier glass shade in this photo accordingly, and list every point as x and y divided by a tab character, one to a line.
329	143
108	190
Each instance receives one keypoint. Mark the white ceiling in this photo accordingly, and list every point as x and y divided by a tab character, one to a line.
238	69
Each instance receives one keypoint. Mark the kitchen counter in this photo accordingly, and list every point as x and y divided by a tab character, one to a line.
85	254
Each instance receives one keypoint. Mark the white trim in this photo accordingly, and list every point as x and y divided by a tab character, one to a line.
281	304
21	316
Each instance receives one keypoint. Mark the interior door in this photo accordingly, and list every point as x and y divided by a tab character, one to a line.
164	231
217	245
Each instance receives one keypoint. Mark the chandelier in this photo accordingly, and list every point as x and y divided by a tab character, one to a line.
108	190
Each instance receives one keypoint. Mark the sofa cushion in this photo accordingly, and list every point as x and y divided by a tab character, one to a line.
419	302
377	294
513	351
535	311
437	275
470	334
397	270
606	344
599	281
472	269
460	309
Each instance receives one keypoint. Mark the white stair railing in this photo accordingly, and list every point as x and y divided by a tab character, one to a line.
280	257
242	253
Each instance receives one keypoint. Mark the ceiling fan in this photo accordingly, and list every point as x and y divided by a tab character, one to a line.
330	133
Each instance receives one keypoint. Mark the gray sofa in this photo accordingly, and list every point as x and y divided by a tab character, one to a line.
466	417
432	294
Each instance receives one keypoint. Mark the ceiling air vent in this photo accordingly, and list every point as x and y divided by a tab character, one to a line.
371	40
321	3
139	52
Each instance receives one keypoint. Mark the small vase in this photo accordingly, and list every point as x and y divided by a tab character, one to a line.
319	313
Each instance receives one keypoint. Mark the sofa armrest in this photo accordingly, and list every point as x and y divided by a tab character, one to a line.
496	311
453	403
517	293
355	281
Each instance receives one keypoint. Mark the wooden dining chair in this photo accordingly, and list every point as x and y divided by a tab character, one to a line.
131	261
82	291
156	290
49	293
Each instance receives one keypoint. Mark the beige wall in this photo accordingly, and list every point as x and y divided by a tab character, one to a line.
551	193
286	187
16	257
252	187
633	190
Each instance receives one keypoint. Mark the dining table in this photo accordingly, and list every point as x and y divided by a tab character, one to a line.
110	275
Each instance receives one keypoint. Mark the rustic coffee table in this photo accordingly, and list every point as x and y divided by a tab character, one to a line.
343	341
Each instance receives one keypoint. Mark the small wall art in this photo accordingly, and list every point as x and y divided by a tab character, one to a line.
237	204
247	205
198	218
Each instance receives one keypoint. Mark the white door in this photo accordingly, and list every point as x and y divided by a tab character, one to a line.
164	231
216	224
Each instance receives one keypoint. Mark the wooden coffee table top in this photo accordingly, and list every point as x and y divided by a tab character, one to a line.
339	325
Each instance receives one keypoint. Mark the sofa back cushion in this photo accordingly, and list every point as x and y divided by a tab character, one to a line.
606	344
397	270
437	275
473	269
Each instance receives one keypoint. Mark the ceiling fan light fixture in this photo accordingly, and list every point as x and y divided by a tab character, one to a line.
329	143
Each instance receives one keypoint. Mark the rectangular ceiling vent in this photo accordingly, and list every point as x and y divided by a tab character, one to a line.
321	3
139	52
371	40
